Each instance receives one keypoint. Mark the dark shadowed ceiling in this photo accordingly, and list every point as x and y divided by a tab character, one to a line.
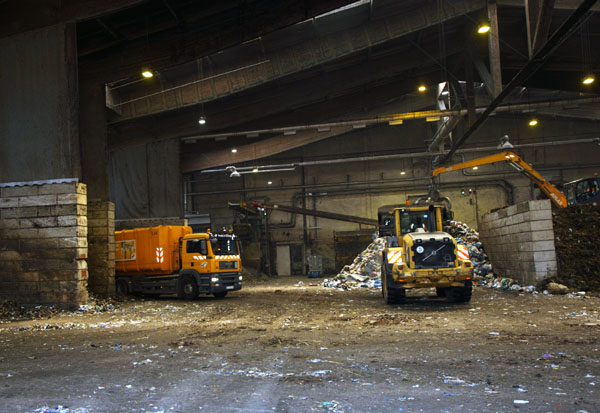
254	67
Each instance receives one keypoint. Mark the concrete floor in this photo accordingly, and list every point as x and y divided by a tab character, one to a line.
280	347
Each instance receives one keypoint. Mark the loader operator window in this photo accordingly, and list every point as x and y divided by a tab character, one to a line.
197	247
412	221
586	189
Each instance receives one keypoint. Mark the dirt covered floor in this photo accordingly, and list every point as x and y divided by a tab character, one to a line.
283	347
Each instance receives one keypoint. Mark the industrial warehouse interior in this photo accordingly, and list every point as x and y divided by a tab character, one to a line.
299	205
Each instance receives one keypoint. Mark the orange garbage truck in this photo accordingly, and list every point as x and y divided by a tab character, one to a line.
172	260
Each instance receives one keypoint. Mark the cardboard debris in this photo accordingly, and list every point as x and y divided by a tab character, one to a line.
364	272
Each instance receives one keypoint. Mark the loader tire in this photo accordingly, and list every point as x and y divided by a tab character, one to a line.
441	292
460	294
395	295
189	288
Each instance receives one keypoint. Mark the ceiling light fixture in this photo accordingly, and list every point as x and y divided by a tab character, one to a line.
202	120
402	173
588	80
533	122
475	168
270	183
484	27
147	73
233	150
422	88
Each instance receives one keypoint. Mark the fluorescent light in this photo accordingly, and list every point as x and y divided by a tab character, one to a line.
588	80
432	118
396	122
483	28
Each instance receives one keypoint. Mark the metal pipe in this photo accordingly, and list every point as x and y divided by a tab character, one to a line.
403	116
404	155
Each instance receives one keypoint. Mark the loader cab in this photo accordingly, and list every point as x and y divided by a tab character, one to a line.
583	191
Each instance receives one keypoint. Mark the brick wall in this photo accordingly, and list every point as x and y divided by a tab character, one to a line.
43	244
101	239
519	240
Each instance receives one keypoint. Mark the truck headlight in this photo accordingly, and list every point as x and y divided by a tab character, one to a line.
214	279
240	278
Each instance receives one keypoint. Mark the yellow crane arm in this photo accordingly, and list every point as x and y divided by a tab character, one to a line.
519	164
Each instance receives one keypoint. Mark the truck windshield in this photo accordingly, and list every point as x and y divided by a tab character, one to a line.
224	246
411	221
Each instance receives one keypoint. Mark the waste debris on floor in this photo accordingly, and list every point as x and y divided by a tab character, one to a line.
11	311
364	272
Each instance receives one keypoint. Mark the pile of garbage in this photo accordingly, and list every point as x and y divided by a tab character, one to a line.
483	274
364	272
468	237
577	235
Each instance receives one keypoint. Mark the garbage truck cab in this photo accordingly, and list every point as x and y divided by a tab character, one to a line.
173	260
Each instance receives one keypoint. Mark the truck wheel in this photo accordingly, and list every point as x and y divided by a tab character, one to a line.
121	287
460	294
189	288
441	292
220	295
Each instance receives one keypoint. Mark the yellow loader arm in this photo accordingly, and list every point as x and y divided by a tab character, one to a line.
520	165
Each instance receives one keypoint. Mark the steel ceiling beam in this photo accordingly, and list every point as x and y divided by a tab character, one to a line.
538	60
293	59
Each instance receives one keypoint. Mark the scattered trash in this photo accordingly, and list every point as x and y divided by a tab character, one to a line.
364	272
521	402
60	409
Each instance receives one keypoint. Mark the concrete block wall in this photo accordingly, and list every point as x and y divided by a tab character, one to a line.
101	241
43	244
519	240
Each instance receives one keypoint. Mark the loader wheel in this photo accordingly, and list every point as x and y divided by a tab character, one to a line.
441	292
121	287
394	295
460	294
189	288
220	295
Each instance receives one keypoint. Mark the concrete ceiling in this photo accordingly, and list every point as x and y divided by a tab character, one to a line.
270	64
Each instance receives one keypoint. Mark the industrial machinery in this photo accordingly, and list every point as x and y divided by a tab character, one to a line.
173	260
419	254
581	191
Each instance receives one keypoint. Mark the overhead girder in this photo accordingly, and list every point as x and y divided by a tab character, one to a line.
314	90
539	17
171	42
25	15
261	68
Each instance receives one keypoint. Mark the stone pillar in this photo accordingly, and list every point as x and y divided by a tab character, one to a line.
43	243
101	239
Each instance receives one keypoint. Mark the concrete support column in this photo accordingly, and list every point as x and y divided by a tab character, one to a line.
39	111
93	139
494	48
101	246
